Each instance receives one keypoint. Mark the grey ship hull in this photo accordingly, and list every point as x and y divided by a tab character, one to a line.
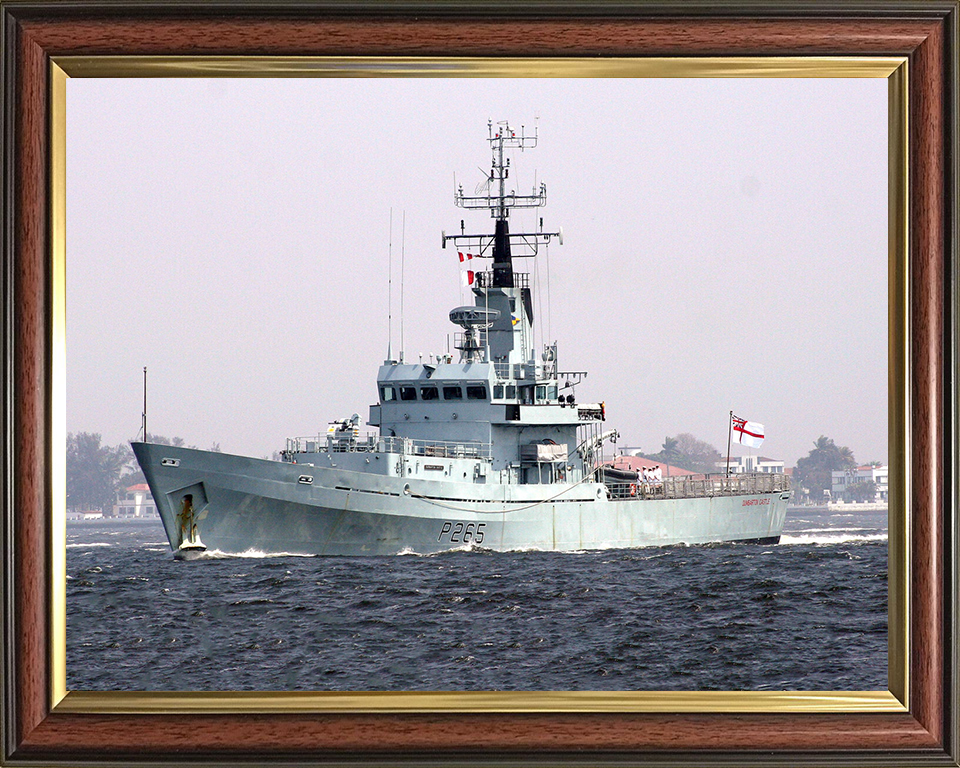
244	504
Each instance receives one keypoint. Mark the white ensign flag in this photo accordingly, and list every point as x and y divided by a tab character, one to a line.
748	433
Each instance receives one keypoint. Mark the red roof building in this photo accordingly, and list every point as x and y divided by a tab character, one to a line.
633	463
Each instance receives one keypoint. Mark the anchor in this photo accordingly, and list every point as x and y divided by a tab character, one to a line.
191	547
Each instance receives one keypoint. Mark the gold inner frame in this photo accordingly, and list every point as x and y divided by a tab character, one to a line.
894	69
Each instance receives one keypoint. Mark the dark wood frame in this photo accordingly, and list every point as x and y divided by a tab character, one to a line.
925	32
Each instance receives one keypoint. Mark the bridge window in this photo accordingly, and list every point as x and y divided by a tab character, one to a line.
428	393
511	391
452	393
498	391
387	394
546	393
476	392
408	393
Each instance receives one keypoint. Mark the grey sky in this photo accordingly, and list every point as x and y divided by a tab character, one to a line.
724	248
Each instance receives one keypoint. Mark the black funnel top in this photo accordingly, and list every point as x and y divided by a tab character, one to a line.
502	261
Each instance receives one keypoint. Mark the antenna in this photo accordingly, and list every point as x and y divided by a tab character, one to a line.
403	241
390	287
549	308
473	320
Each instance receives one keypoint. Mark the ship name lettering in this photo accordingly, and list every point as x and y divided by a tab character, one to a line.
755	502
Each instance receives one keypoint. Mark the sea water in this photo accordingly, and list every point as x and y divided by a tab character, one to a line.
807	614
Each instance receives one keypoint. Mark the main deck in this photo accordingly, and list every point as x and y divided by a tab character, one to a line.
619	486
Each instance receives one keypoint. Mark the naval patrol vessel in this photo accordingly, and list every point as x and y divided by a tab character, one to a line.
489	450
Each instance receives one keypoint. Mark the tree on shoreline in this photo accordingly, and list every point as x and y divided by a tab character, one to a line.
862	491
93	471
814	472
687	452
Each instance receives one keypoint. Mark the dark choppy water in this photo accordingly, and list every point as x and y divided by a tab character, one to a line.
809	614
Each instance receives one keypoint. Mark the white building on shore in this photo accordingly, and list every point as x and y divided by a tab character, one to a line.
844	479
742	464
136	501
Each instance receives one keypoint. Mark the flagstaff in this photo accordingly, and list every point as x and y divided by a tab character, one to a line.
729	435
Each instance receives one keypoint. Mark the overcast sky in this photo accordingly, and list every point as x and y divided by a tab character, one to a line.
725	247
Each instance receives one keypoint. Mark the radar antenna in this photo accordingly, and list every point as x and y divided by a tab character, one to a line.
473	320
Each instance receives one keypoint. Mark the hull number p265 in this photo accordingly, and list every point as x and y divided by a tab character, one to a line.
462	533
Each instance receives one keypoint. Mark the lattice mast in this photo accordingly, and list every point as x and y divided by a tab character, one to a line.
499	201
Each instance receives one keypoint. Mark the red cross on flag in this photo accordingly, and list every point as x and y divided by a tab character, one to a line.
748	433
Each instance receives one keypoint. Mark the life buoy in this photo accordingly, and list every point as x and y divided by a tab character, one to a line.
633	489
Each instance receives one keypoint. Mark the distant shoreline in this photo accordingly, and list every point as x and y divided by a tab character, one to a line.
839	508
152	520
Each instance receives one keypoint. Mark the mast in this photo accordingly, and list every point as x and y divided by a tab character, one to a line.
493	195
502	247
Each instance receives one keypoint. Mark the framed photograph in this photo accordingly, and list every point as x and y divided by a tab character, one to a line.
47	46
172	193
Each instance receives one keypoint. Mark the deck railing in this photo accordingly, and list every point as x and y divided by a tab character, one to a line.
451	449
486	279
369	442
339	443
685	487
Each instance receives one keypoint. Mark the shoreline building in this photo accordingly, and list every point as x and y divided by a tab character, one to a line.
845	479
743	464
136	501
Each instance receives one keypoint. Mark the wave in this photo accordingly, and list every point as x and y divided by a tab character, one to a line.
256	554
837	538
482	550
837	530
87	546
468	547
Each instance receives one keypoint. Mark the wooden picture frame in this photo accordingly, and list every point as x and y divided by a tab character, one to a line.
40	727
